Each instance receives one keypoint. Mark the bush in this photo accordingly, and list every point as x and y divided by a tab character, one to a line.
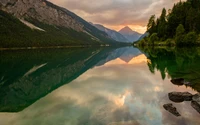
142	42
153	38
190	38
170	42
179	35
198	39
180	30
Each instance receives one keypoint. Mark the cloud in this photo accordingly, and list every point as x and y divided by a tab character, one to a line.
117	13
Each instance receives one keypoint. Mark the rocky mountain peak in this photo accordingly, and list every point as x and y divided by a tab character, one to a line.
40	10
111	33
126	29
129	34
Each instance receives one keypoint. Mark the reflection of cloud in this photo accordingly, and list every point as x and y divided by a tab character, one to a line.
115	62
119	101
157	89
111	94
139	59
135	60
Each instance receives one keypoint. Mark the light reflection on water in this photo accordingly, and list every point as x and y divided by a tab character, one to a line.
120	92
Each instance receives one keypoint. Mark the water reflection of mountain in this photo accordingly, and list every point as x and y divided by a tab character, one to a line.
176	63
26	76
125	54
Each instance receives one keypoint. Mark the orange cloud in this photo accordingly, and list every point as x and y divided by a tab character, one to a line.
115	14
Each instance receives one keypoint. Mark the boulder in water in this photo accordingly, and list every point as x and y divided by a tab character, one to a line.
170	108
196	102
180	96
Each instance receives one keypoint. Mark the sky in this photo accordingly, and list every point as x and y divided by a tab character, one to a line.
116	14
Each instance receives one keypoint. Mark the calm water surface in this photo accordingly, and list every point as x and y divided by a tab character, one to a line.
99	86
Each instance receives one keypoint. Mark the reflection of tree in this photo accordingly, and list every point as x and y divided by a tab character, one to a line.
151	67
182	65
177	62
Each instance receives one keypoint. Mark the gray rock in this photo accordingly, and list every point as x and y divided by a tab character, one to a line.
196	102
180	96
170	108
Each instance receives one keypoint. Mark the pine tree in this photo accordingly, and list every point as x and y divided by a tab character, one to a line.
151	25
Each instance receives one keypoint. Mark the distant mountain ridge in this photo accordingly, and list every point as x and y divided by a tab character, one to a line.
48	22
146	34
112	33
129	34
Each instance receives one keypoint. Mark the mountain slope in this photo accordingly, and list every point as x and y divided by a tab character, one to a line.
113	34
41	23
129	34
146	34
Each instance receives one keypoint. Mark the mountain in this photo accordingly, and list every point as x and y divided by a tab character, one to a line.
41	23
143	36
129	34
126	54
129	54
112	33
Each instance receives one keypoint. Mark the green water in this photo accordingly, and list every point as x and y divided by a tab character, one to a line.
96	86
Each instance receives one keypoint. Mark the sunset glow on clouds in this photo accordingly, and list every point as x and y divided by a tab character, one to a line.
116	14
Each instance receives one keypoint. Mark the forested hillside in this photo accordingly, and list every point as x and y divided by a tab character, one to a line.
16	34
177	26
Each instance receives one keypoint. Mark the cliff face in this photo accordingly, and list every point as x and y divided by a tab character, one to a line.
42	11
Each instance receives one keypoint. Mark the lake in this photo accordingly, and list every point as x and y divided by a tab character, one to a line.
97	86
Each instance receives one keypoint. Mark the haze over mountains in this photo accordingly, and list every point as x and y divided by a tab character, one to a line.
112	33
124	35
129	34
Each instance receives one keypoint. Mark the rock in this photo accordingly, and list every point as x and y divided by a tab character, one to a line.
170	108
180	96
196	106
180	82
196	102
196	98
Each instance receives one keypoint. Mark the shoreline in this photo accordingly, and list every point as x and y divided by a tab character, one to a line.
50	47
62	47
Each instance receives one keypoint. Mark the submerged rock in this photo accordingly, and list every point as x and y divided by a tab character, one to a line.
170	108
180	96
196	102
180	82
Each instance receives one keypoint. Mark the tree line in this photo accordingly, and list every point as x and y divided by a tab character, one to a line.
178	26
